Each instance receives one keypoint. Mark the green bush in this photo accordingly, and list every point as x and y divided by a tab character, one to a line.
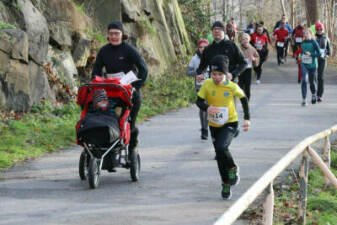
146	27
196	15
4	25
171	90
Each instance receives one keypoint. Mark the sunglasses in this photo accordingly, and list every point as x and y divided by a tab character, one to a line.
319	29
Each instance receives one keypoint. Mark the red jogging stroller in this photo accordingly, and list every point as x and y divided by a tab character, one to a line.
105	135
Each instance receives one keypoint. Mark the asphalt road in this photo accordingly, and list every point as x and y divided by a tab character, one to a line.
179	182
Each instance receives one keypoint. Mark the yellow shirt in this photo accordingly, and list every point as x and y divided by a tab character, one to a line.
221	96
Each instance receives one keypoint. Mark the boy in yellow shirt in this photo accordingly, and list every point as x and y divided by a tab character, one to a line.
216	95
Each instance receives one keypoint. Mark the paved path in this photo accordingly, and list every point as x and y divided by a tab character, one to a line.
180	183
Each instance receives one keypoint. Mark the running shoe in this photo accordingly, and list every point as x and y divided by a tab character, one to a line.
204	134
319	99
304	102
258	82
226	192
313	99
233	175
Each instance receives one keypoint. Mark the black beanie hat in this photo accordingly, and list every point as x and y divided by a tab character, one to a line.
219	63
218	24
116	25
119	26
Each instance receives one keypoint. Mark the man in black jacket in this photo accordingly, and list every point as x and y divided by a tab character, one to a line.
220	46
118	56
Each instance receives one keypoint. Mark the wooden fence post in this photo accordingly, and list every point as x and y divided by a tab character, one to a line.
303	189
268	206
327	158
319	162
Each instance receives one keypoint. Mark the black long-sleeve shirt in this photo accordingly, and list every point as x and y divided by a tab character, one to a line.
323	42
237	63
121	58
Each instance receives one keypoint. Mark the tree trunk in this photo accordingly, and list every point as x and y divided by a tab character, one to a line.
332	20
292	13
283	8
312	12
240	10
224	10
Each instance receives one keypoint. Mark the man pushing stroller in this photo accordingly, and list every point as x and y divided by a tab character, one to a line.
118	56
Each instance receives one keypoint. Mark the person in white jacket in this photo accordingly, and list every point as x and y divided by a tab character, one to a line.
191	71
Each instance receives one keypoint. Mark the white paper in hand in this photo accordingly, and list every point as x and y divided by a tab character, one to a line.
129	78
115	75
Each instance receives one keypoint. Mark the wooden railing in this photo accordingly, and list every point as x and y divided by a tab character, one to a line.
266	181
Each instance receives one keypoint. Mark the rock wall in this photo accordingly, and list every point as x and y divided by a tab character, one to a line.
155	27
43	41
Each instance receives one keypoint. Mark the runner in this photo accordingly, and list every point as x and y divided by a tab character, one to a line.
297	36
191	71
252	59
216	95
230	32
251	27
281	35
260	41
265	31
290	31
118	56
310	52
220	46
324	45
299	62
235	27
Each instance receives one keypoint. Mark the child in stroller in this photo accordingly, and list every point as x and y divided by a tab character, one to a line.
104	129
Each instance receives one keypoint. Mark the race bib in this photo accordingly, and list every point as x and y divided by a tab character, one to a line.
259	46
322	51
280	44
219	118
249	63
306	59
298	40
251	30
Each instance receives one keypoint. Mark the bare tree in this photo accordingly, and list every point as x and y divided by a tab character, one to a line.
283	8
312	12
331	20
292	13
224	9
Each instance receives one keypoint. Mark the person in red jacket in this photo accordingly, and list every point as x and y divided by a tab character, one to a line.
260	42
297	36
298	60
281	35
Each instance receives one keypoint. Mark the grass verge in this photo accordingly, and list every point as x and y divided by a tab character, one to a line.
321	201
48	128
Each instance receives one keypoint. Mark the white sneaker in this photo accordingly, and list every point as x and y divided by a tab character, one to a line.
304	102
258	82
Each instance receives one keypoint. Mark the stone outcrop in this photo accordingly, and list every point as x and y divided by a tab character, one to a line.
155	27
37	30
57	33
15	43
63	66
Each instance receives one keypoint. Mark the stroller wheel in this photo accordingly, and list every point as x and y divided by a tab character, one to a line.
83	165
134	165
93	173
